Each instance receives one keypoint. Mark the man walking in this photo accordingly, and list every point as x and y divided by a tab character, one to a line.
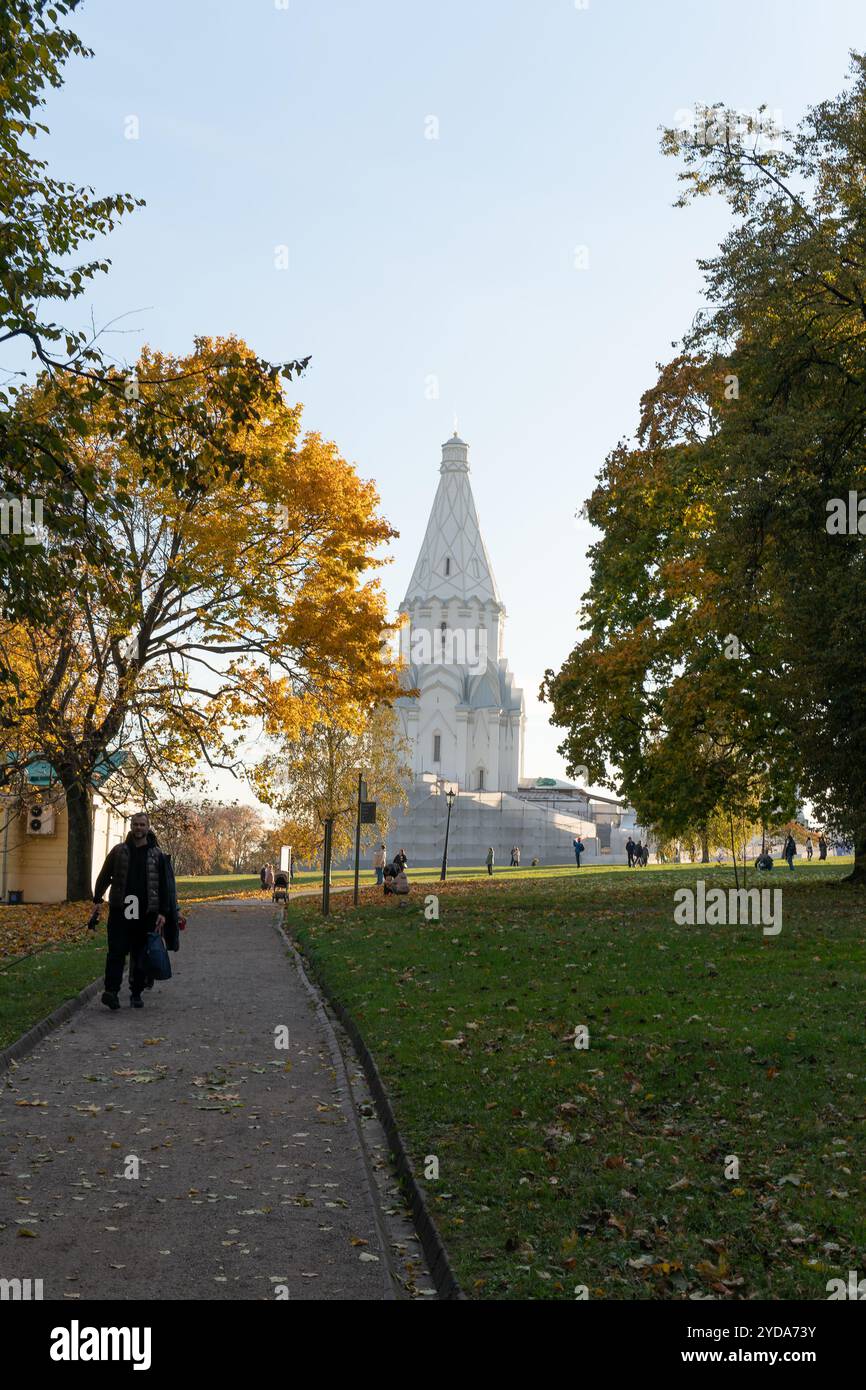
578	850
822	848
809	850
490	860
629	849
790	850
139	900
515	856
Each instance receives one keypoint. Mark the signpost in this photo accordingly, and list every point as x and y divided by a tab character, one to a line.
366	816
362	796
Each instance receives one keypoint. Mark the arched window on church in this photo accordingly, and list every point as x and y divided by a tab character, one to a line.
437	748
481	779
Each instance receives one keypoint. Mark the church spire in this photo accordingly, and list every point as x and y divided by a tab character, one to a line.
453	562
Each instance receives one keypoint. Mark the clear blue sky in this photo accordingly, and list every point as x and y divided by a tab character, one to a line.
412	257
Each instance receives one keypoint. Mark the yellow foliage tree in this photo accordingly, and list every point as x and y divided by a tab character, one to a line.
227	579
318	780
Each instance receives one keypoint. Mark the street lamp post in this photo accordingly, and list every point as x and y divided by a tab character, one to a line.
449	797
362	794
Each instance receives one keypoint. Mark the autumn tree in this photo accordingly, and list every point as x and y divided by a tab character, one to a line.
241	590
652	701
725	652
318	780
47	264
234	833
181	833
303	838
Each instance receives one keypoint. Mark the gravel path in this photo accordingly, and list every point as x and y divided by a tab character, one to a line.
251	1183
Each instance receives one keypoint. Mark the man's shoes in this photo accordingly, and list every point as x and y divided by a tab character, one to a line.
136	1001
110	1000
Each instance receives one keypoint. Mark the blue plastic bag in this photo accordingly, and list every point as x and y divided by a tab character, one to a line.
156	961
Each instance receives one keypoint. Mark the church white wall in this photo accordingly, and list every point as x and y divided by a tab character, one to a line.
482	819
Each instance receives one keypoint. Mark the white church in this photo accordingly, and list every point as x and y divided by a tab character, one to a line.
465	726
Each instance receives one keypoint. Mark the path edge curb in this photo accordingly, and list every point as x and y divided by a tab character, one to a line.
340	1067
438	1263
29	1040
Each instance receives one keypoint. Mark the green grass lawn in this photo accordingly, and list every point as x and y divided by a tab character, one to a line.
30	988
229	885
216	885
605	1167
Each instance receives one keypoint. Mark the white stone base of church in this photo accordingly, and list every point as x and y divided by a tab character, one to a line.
481	819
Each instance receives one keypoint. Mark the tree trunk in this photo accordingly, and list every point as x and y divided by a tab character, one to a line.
79	843
734	852
705	847
858	873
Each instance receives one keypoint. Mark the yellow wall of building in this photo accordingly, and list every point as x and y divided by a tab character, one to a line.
36	864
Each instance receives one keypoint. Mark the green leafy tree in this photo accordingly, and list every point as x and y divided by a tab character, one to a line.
725	647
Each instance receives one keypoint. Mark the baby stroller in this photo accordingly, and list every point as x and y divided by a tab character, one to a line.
281	888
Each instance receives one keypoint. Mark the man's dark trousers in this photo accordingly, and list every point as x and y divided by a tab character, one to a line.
125	938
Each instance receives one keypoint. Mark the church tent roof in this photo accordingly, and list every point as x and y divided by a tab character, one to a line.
453	562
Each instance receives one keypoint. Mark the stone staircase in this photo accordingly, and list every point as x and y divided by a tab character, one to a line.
481	819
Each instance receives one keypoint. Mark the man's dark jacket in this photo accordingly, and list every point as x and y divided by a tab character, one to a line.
159	877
